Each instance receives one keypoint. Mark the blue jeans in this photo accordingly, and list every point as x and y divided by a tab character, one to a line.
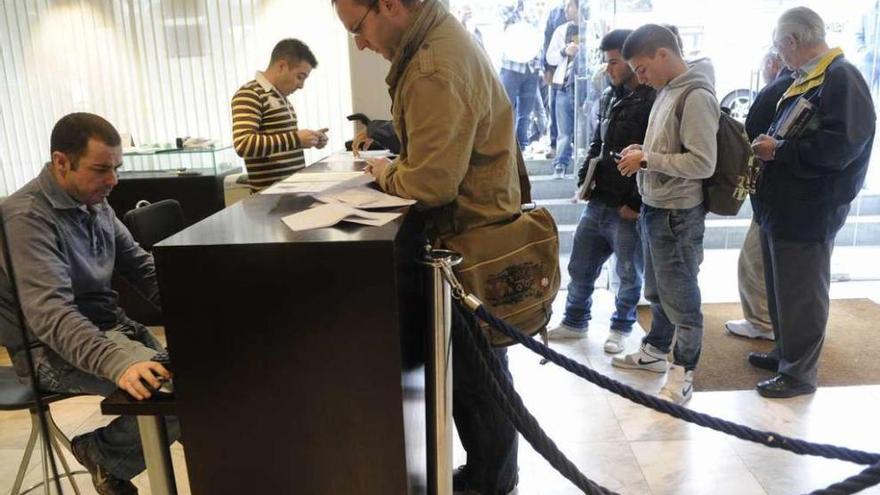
565	128
673	241
521	89
600	233
117	446
486	434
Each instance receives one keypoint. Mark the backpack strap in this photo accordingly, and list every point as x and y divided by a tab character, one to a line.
679	105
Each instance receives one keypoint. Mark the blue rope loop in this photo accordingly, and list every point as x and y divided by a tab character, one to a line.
489	368
866	478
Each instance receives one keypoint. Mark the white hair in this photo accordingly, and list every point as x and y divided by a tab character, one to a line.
802	24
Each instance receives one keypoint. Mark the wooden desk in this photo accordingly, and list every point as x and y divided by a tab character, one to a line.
200	196
154	437
298	356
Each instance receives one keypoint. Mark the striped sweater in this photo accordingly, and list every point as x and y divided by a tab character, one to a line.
264	133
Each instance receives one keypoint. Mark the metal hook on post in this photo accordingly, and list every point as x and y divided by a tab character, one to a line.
439	367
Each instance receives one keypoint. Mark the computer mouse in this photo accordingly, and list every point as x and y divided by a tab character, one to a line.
166	387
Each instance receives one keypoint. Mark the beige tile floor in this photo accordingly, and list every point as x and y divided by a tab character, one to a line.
616	443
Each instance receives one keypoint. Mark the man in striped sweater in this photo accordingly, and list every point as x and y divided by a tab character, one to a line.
264	125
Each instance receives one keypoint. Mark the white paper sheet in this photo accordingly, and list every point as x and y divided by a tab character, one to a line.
330	214
312	183
323	177
363	197
297	187
348	156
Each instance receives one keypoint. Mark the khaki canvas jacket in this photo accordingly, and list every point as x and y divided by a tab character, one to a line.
456	127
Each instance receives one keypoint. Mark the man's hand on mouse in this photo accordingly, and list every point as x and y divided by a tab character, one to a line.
134	378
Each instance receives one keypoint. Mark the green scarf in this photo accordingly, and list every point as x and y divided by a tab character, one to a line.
428	15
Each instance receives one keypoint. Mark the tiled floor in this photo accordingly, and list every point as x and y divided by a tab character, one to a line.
622	446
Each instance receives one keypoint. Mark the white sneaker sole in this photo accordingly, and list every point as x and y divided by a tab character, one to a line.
613	348
675	400
751	335
566	335
619	363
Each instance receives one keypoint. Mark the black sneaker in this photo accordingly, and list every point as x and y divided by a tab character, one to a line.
105	483
459	478
460	482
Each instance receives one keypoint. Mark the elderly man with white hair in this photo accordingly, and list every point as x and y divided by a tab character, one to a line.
815	155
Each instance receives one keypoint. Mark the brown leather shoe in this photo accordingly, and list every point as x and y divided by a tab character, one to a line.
105	483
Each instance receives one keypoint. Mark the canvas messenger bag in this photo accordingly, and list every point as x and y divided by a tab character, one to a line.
513	268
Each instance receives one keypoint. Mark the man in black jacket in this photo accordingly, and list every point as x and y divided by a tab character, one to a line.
756	322
609	223
815	156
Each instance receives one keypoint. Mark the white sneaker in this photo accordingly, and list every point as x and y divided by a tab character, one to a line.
614	342
679	386
565	332
745	328
647	358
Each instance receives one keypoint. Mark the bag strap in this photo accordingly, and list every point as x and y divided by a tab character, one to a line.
679	105
525	185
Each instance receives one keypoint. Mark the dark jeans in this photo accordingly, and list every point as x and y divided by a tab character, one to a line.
600	233
554	128
673	241
798	278
117	446
486	434
522	90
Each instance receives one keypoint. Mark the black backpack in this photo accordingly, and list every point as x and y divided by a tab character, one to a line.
725	191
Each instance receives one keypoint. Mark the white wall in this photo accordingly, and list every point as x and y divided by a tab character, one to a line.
156	69
369	93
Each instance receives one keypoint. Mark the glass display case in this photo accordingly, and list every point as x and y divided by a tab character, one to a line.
181	161
194	177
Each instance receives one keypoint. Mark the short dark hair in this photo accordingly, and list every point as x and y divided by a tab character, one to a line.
293	51
646	40
614	40
674	29
71	135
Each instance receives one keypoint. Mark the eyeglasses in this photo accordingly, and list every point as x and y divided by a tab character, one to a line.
777	44
356	30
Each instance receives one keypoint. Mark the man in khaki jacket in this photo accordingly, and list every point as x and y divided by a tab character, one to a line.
459	161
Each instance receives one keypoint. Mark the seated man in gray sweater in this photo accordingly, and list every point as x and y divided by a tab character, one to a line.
678	153
65	242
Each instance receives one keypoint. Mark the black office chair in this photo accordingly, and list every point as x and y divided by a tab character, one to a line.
150	223
16	396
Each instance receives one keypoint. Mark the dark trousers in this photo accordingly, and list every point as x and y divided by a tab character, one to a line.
486	434
554	127
798	277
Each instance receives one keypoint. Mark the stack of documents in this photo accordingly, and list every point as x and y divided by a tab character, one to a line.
348	156
346	201
328	215
309	183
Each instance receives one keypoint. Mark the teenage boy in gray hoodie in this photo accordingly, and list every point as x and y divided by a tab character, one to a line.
678	153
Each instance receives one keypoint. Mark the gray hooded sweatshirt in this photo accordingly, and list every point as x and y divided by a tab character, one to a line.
680	154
